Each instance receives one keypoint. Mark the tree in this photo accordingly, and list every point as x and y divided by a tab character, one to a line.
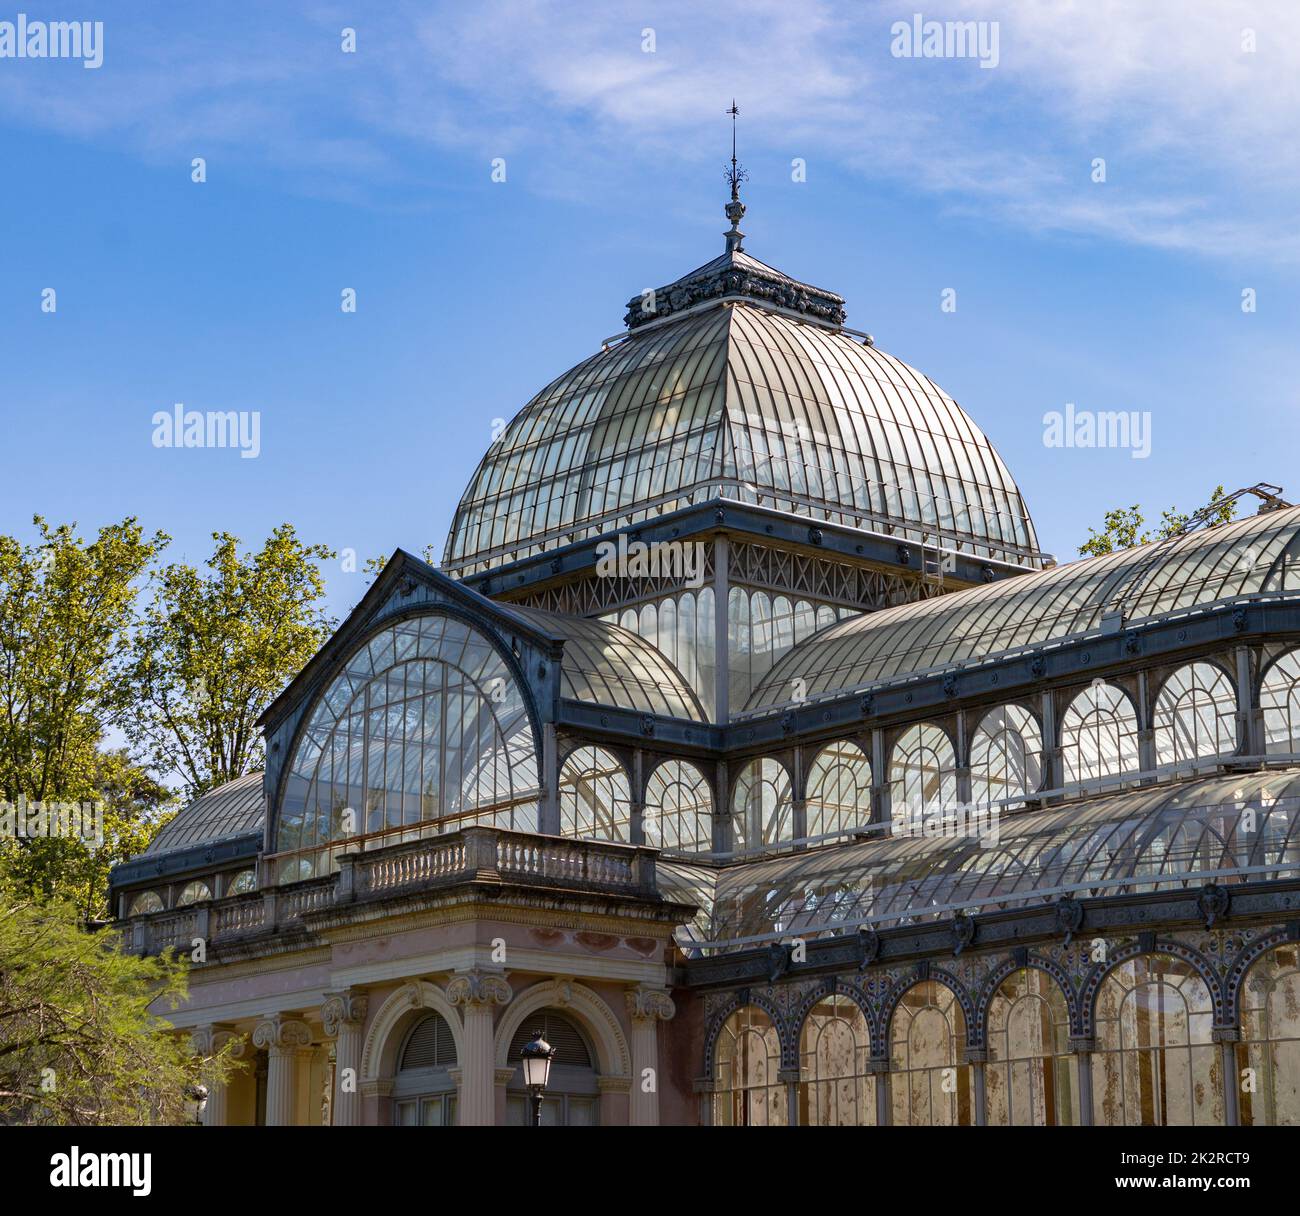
1123	527
66	611
131	807
215	648
78	1045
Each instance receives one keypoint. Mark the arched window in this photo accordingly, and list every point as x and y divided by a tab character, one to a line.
930	1085
839	789
595	798
424	1093
1099	735
146	904
922	770
835	1088
678	808
1196	715
1155	1063
242	883
424	731
1006	755
761	804
193	893
1279	698
1270	1040
747	1059
1031	1075
572	1092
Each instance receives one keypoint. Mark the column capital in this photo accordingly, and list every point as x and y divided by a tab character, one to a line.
348	1007
649	1004
211	1039
282	1032
476	988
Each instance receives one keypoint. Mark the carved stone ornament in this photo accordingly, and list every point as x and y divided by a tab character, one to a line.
868	947
963	932
778	961
648	1004
281	1034
1069	917
1214	902
341	1008
479	988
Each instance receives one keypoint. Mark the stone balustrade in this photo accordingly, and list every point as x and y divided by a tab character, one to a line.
474	854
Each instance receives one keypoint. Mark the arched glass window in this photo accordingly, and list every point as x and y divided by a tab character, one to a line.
242	883
146	904
572	1093
747	1059
1270	1041
839	789
424	1092
929	1084
1155	1062
193	893
595	798
1031	1075
1099	735
922	770
1006	755
1196	715
1279	698
678	808
835	1088
424	731
761	804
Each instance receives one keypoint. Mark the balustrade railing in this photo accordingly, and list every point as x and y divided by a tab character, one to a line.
474	854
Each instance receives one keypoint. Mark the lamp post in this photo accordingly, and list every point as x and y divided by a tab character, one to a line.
537	1057
196	1101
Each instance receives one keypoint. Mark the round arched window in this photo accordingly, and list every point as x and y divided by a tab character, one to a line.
425	730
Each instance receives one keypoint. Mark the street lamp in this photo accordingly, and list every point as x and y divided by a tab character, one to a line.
196	1101
537	1057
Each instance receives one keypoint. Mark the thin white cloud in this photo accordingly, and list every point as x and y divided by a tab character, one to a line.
1197	133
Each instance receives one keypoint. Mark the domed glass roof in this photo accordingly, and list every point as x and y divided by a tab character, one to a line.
739	382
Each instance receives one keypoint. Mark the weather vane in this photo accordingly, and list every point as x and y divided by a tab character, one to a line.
735	210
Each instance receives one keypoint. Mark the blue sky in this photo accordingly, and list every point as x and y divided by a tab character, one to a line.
372	171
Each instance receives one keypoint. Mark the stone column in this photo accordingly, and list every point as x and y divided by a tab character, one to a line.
789	1077
287	1042
1083	1047
1226	1037
344	1018
976	1059
646	1007
475	992
878	1068
207	1041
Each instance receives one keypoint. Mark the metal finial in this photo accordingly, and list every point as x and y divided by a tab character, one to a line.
735	210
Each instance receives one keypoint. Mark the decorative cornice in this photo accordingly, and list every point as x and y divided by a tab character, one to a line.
649	1004
280	1033
474	988
731	281
342	1008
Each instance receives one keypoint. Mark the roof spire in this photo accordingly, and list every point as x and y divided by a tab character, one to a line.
735	210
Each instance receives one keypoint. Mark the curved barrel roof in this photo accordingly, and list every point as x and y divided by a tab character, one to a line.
1248	556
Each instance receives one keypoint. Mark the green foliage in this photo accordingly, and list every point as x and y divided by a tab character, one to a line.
134	807
66	611
1124	527
78	1045
215	648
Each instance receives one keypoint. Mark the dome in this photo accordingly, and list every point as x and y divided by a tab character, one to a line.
739	382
